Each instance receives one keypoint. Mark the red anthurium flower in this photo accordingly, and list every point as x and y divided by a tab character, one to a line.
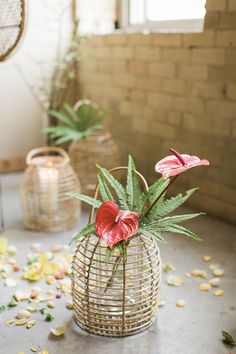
174	165
114	225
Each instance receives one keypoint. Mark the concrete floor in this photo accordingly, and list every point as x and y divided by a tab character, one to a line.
195	329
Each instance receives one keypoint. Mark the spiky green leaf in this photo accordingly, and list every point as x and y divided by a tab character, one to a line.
104	189
133	187
151	233
177	218
116	185
165	207
85	198
178	229
87	230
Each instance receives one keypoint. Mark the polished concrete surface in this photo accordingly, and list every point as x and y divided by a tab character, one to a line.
195	329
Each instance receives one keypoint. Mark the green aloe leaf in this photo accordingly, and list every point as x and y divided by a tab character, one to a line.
116	185
63	118
85	198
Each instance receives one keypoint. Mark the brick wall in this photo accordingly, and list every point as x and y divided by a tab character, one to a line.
173	90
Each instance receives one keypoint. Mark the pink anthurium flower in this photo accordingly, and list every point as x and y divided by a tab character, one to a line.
174	165
114	225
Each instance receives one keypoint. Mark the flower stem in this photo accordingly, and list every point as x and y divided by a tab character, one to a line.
155	201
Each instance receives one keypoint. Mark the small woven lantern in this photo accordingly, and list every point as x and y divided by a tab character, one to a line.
120	297
44	187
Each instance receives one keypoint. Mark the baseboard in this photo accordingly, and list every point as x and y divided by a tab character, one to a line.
12	164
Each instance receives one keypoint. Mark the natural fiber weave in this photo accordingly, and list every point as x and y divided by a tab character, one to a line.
12	21
120	303
43	189
99	147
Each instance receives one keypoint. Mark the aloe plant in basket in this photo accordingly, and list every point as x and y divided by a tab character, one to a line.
116	266
83	125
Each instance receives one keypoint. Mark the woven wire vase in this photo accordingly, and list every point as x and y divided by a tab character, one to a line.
43	189
98	147
115	303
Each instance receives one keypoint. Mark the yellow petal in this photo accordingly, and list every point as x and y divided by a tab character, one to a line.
180	303
204	287
21	322
59	330
218	272
50	268
3	244
33	273
219	292
206	258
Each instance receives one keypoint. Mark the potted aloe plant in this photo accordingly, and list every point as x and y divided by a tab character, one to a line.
116	266
83	126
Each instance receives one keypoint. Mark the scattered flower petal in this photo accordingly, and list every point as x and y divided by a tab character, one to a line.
30	324
206	258
11	282
69	304
219	292
161	303
9	322
21	322
180	303
218	272
204	287
214	282
199	273
3	244
167	267
50	304
58	330
23	314
175	280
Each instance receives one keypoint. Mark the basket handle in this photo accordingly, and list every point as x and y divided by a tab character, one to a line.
84	101
120	168
44	149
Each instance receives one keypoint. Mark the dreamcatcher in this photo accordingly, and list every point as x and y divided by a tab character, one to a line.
12	21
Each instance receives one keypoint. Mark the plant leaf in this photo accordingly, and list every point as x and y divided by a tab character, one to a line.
165	207
152	233
228	338
133	188
104	189
85	198
87	230
177	218
153	192
63	118
116	185
178	229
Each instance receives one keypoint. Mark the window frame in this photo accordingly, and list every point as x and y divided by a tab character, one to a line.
170	26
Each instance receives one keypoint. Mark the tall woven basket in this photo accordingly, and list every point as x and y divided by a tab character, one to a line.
98	147
115	303
44	187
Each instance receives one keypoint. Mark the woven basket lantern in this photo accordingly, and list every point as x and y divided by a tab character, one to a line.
43	189
115	303
98	147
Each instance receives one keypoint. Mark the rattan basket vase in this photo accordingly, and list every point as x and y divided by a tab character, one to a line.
43	189
120	303
98	147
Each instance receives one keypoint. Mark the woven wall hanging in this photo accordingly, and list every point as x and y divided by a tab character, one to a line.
12	22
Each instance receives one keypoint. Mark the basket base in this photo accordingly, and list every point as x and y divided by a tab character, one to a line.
103	334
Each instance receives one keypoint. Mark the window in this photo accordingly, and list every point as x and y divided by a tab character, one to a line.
172	15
